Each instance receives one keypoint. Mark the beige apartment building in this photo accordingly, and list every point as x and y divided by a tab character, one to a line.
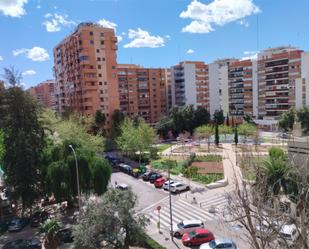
44	93
85	69
142	92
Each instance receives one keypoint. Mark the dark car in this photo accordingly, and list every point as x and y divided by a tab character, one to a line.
154	177
38	217
18	224
65	235
146	176
4	227
23	244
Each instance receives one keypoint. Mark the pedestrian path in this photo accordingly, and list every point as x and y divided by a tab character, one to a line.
183	209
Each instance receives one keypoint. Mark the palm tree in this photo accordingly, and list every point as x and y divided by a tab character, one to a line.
50	228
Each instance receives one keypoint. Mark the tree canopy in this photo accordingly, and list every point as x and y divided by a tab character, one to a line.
218	117
303	118
287	120
247	130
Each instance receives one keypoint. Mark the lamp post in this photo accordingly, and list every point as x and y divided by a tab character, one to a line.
77	178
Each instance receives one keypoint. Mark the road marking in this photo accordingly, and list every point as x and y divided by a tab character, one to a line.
153	205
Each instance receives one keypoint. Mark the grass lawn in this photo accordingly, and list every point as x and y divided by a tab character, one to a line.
208	158
163	147
159	164
207	178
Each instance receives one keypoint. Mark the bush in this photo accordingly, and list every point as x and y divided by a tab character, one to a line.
208	178
149	243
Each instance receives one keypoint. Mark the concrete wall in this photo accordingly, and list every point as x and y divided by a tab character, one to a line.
255	90
190	86
305	74
224	86
214	103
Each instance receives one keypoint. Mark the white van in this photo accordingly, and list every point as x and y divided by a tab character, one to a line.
289	233
186	226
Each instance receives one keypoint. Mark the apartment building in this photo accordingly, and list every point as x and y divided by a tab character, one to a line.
302	84
278	70
85	69
44	93
190	84
218	85
143	92
168	83
242	88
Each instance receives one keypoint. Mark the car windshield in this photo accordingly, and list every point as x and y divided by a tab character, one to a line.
192	234
286	236
180	225
212	244
15	222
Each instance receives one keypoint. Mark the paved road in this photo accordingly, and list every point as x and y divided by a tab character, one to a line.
183	208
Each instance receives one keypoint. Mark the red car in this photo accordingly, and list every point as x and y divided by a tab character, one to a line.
197	237
159	182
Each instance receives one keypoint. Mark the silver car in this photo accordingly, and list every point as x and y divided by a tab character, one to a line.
218	244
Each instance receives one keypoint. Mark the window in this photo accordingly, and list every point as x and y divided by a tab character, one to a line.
100	83
98	59
98	50
100	75
90	33
105	83
80	42
91	42
102	42
103	58
99	67
113	67
102	34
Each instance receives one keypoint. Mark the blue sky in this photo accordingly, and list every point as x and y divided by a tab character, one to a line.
153	33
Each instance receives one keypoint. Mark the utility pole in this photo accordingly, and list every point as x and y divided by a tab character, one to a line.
170	201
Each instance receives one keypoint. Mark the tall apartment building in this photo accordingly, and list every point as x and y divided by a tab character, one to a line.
242	87
142	92
278	70
45	94
218	85
190	84
302	84
169	94
86	71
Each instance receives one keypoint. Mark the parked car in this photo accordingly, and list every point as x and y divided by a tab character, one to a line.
186	226
197	237
18	224
136	172
159	182
167	184
3	227
178	187
65	235
146	176
38	217
122	186
288	233
154	177
23	244
125	168
218	244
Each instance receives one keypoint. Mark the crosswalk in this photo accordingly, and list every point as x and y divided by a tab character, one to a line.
182	209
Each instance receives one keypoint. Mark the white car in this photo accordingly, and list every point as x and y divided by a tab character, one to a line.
220	243
177	187
186	226
167	183
289	233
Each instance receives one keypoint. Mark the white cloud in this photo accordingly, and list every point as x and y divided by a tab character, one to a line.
35	53
190	51
1	58
107	24
123	33
250	55
218	12
29	72
38	6
119	38
13	8
143	39
56	21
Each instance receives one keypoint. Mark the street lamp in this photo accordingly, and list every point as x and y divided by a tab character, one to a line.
77	178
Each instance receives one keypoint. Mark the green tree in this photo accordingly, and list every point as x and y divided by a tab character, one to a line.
2	148
217	137
225	130
50	229
146	136
110	220
100	118
164	126
287	120
205	131
23	141
247	130
303	118
218	117
101	172
200	117
236	135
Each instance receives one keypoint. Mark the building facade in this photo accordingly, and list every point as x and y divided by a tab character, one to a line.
45	94
85	69
278	70
190	84
143	92
242	85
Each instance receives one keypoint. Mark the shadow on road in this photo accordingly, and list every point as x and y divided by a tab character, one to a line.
198	190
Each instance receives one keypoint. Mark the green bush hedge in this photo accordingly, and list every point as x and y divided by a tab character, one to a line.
208	158
149	243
